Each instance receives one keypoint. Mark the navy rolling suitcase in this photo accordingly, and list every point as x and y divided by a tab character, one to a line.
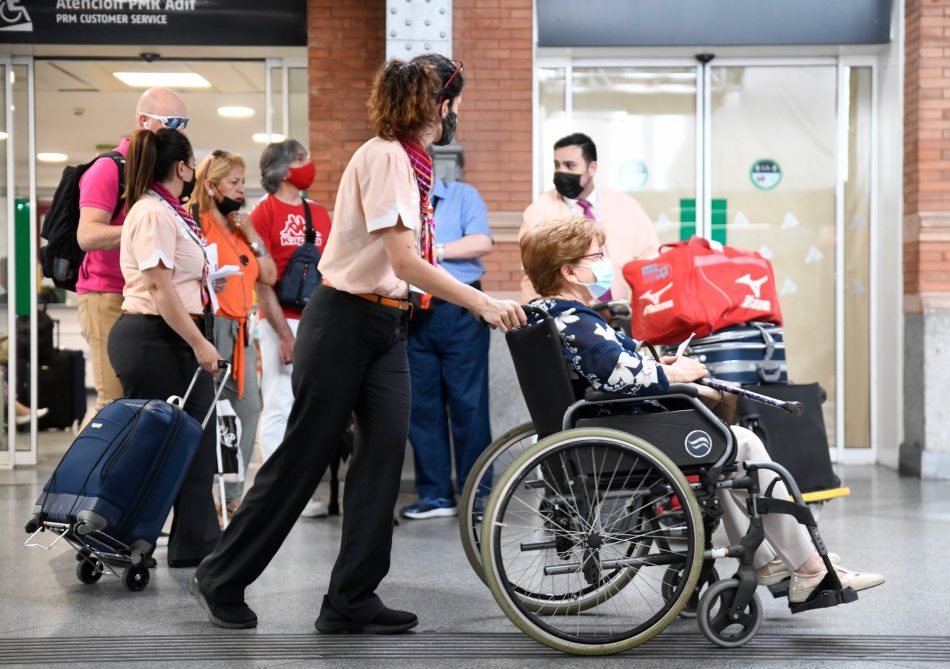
112	491
752	353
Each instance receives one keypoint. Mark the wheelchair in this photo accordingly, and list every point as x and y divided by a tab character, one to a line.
597	532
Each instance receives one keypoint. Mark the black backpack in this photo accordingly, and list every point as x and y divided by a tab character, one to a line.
301	276
61	257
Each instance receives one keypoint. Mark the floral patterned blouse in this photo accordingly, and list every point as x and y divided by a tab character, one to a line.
606	359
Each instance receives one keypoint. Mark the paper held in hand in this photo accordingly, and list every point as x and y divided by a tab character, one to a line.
682	347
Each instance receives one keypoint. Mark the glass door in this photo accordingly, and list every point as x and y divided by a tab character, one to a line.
643	120
18	267
772	163
287	95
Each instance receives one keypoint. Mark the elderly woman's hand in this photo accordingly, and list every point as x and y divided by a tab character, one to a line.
685	370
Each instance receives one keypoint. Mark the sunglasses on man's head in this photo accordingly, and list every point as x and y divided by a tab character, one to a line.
170	122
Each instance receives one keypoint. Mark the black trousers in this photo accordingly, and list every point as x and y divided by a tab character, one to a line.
350	357
153	362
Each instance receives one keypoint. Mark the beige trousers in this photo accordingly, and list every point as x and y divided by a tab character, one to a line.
98	312
784	536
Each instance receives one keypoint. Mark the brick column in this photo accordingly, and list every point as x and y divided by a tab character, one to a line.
926	448
346	44
495	41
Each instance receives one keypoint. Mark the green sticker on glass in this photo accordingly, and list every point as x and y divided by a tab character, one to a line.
765	174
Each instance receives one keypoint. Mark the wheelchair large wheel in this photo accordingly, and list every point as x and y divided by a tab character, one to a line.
493	460
574	518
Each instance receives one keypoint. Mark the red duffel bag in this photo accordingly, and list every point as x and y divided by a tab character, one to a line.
694	287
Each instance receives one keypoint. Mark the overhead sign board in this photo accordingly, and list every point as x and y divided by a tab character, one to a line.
155	22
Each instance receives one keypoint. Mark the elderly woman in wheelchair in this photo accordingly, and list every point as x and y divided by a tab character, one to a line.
599	534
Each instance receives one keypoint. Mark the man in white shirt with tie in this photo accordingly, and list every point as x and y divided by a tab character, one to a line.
630	232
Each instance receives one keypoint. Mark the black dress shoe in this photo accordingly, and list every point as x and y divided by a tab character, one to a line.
387	621
230	616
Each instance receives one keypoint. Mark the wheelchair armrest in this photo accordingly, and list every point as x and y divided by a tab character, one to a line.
683	389
591	395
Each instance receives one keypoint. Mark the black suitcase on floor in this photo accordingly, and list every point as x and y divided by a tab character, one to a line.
800	443
61	388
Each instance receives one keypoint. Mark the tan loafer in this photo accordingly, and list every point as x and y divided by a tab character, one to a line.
775	571
803	585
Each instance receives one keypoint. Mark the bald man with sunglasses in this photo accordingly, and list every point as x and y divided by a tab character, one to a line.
101	214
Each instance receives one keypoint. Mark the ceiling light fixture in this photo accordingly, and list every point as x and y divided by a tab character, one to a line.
235	112
164	79
51	157
264	138
3	135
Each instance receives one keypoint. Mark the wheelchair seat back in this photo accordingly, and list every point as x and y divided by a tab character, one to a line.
542	372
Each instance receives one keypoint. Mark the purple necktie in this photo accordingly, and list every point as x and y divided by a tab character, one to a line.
589	213
588	209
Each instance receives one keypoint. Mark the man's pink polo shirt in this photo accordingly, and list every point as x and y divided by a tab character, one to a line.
99	188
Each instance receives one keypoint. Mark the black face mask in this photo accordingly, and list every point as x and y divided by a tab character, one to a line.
226	205
449	123
568	185
187	188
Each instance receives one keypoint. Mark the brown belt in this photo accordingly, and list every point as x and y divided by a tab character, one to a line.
402	305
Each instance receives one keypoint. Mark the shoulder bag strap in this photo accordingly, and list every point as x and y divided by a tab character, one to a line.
311	235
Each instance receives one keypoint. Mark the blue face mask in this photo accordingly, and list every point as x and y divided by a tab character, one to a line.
604	275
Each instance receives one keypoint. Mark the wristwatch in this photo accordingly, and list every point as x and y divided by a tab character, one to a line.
439	253
258	249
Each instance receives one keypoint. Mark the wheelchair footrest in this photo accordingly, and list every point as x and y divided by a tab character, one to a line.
822	599
780	589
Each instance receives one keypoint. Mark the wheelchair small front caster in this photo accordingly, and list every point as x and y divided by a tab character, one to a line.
135	578
671	579
716	621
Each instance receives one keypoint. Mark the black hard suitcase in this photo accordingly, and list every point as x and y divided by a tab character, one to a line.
800	443
61	388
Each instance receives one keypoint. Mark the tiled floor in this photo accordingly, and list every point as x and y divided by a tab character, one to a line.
897	526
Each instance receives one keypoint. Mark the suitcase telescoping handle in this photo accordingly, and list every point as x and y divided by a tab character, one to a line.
224	371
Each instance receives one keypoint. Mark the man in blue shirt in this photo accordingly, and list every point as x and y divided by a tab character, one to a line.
448	359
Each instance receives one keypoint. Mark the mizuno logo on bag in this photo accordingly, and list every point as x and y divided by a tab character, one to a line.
754	303
654	298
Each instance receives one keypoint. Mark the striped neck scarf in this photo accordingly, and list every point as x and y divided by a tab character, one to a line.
196	230
422	166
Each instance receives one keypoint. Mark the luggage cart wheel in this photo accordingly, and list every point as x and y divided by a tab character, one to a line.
89	570
671	579
135	578
716	620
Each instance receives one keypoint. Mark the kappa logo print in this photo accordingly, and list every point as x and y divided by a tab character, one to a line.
698	444
14	17
653	297
294	232
753	301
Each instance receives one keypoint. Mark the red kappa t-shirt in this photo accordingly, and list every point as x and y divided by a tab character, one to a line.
282	228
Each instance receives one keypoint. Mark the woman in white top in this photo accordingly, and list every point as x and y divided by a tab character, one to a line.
159	341
350	356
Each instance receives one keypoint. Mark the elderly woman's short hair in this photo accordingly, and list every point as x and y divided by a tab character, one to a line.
551	244
276	159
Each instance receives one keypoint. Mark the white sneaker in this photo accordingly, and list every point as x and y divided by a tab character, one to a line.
315	509
23	419
802	585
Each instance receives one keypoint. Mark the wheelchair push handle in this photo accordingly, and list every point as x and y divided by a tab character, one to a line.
791	407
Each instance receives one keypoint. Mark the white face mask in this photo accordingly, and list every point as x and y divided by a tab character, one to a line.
603	275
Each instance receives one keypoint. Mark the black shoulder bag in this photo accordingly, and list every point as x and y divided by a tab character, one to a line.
301	276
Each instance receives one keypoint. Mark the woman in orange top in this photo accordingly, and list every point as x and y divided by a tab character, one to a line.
219	197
